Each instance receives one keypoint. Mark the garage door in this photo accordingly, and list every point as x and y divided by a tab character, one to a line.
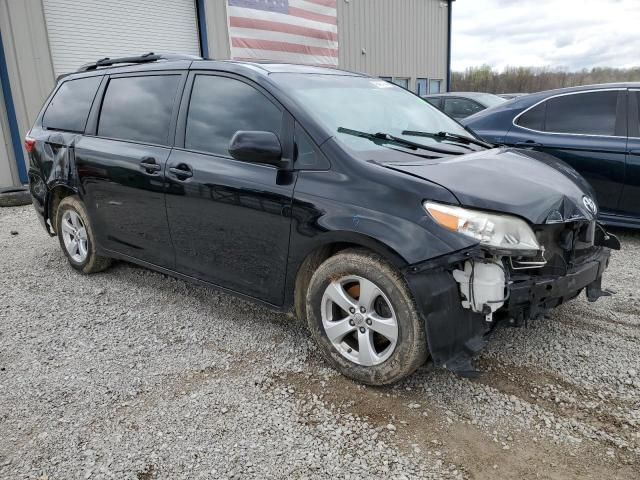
82	31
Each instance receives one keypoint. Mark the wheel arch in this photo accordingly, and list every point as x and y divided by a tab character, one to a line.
52	200
333	243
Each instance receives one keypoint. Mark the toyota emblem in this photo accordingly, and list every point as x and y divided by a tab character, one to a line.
590	204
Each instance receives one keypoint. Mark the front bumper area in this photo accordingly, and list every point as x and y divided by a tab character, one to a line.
455	334
530	297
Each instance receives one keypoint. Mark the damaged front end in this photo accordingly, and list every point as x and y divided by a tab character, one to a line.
514	275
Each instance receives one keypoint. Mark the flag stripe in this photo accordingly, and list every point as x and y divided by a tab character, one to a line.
300	31
269	26
250	54
283	47
317	17
280	18
313	7
281	37
324	3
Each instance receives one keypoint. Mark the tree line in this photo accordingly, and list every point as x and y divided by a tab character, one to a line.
535	79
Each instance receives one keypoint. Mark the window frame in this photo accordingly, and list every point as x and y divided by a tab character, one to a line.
621	116
286	128
408	79
426	83
633	112
96	96
91	129
440	82
297	126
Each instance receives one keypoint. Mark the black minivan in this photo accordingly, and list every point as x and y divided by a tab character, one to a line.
394	232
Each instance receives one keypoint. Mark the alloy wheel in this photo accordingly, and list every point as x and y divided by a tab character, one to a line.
359	320
74	235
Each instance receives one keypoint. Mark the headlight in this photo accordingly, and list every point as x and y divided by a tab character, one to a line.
503	232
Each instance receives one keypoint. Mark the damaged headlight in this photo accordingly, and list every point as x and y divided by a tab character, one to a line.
503	232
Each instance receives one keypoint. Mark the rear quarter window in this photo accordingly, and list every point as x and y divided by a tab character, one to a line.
70	105
533	119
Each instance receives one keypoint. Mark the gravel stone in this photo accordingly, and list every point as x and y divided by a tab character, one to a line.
131	374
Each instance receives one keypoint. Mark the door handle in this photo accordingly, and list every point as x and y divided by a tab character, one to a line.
149	165
528	144
182	171
635	151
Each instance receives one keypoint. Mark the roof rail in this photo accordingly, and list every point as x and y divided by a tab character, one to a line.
146	58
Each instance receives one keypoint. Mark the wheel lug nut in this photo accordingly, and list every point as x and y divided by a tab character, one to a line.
368	321
362	309
351	322
352	310
362	330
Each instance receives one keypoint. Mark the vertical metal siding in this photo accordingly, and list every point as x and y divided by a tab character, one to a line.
29	66
402	38
8	171
217	30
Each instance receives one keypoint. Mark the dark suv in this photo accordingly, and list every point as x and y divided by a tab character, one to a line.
392	230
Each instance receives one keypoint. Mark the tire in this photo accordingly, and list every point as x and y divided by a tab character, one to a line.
377	363
73	212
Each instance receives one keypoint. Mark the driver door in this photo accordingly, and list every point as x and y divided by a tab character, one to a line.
229	220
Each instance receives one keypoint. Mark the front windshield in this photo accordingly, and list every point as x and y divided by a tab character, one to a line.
368	105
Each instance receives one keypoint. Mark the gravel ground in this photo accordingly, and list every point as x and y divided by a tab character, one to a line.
130	374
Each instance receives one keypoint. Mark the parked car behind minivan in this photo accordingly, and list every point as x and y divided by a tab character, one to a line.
390	229
460	105
593	128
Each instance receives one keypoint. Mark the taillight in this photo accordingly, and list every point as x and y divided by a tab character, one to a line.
29	144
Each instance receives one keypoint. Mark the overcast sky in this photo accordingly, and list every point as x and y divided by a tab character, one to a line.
559	33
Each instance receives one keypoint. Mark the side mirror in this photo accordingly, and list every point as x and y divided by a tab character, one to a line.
256	147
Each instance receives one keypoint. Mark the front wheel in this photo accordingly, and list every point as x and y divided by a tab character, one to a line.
362	315
76	237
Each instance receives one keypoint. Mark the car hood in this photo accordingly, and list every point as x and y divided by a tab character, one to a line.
532	185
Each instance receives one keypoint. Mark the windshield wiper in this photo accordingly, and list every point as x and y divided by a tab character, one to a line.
381	137
448	135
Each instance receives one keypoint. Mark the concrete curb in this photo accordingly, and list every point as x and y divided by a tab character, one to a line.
14	196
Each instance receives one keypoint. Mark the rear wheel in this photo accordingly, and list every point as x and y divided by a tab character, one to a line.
76	236
363	317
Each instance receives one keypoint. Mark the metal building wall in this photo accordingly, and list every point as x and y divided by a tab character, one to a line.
217	34
394	38
26	48
401	38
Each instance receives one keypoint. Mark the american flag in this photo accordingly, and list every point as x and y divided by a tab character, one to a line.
294	31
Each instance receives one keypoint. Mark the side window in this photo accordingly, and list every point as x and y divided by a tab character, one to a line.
219	107
435	86
69	107
460	107
435	101
534	118
421	86
138	108
308	156
591	113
